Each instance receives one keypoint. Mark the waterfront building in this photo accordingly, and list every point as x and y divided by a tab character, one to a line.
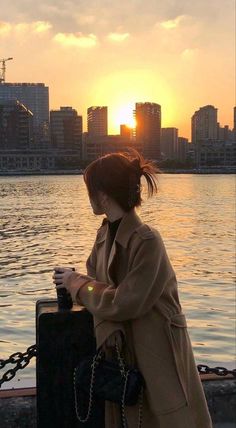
16	161
35	97
148	129
234	129
16	126
169	143
183	149
97	121
224	133
66	130
94	147
204	124
215	153
126	132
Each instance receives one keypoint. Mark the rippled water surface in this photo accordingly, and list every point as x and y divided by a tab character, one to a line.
47	220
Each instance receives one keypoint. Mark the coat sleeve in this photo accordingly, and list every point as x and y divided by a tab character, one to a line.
148	276
103	329
91	263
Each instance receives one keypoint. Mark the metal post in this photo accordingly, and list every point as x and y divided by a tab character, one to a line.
63	339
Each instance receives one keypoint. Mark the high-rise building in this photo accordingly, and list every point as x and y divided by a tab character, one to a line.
66	129
169	143
183	147
224	133
204	124
16	126
126	132
148	128
97	121
234	130
35	97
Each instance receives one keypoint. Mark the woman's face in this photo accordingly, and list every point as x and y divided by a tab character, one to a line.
97	205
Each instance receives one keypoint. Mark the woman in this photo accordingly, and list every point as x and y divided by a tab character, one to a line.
131	290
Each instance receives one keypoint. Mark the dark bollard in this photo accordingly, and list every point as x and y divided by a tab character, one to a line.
63	339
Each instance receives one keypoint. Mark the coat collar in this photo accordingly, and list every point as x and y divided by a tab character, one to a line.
129	223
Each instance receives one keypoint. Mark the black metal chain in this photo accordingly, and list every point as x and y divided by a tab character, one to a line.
20	359
220	371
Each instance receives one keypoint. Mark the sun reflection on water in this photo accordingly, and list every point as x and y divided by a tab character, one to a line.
47	221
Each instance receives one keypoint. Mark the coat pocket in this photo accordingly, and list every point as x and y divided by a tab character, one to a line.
176	328
163	388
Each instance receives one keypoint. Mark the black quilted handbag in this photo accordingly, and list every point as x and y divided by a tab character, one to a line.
110	381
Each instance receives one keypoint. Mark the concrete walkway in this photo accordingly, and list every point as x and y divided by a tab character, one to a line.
222	425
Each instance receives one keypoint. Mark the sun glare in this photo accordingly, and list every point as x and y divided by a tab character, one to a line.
121	90
124	115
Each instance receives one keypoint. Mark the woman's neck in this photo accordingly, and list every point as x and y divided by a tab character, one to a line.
114	213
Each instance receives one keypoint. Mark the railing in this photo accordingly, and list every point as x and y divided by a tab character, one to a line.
63	338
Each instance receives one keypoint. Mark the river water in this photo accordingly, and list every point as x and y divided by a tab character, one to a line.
47	221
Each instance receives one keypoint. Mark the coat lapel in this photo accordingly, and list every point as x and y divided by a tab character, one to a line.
126	228
103	249
129	223
106	253
111	259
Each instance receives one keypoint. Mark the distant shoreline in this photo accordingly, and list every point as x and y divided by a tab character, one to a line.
80	172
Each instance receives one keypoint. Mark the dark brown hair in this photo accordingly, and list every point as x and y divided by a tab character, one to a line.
118	175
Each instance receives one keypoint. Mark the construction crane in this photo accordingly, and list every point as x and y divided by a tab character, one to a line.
3	69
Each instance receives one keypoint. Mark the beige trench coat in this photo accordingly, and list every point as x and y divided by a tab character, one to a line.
142	301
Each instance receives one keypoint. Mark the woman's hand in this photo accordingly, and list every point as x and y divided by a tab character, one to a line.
61	277
112	340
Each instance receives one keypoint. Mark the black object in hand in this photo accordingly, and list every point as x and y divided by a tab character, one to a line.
64	299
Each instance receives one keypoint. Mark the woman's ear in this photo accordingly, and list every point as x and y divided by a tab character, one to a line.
103	200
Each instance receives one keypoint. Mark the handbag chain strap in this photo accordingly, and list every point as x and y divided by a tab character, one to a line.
124	374
95	363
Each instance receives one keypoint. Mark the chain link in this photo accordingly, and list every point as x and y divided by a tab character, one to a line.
140	401
21	360
220	371
95	363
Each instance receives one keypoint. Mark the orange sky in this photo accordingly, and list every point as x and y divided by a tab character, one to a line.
175	53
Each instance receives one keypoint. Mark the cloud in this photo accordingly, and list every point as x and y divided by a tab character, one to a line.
172	23
24	27
76	40
41	26
118	37
5	28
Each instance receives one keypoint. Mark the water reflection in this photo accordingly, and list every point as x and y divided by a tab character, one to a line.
47	221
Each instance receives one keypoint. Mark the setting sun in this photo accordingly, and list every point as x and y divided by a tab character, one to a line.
120	90
124	115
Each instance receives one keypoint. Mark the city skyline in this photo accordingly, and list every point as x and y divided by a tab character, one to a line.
28	94
66	147
176	54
